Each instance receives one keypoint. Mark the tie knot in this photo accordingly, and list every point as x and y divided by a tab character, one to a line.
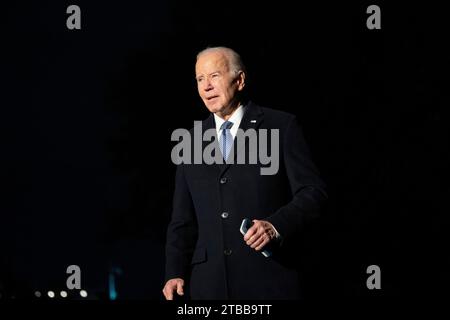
226	125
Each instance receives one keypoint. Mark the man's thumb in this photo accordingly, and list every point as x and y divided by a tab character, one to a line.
180	288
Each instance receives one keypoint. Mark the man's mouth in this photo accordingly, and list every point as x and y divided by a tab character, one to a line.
211	98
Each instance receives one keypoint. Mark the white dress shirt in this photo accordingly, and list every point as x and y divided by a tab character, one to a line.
236	118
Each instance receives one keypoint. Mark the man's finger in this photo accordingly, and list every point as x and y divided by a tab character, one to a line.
249	233
257	242
265	241
180	288
254	237
168	293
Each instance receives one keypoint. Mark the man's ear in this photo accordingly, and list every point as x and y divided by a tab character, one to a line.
241	80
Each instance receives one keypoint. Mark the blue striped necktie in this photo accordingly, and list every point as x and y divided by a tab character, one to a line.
226	139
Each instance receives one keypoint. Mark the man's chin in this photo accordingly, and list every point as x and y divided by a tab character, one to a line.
214	108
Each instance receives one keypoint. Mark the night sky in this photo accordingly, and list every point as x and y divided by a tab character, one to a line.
87	115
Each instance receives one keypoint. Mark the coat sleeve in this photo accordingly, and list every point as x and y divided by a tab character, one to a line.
308	189
182	230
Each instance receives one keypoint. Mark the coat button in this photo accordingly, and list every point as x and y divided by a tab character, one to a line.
227	252
224	215
223	180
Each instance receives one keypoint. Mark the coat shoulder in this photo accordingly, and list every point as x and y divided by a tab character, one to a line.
277	117
277	114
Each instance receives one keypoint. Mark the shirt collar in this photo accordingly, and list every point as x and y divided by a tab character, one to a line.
236	118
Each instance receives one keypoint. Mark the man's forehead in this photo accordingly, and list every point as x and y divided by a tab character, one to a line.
211	60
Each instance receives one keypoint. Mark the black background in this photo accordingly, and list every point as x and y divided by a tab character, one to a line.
86	118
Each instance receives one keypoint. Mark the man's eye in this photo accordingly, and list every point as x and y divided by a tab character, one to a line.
215	75
199	79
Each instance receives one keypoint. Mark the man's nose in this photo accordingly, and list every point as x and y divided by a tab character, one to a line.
208	85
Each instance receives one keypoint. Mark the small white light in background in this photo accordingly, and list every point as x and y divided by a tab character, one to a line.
83	293
63	294
51	294
37	294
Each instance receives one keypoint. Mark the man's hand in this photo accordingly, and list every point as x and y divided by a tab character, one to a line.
260	234
171	286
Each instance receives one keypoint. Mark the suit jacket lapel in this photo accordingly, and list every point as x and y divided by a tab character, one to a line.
210	123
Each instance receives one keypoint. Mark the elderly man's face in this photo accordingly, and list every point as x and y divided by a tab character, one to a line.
217	85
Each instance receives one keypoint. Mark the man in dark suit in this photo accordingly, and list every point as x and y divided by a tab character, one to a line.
205	249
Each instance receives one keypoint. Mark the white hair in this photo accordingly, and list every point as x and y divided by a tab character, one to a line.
234	60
